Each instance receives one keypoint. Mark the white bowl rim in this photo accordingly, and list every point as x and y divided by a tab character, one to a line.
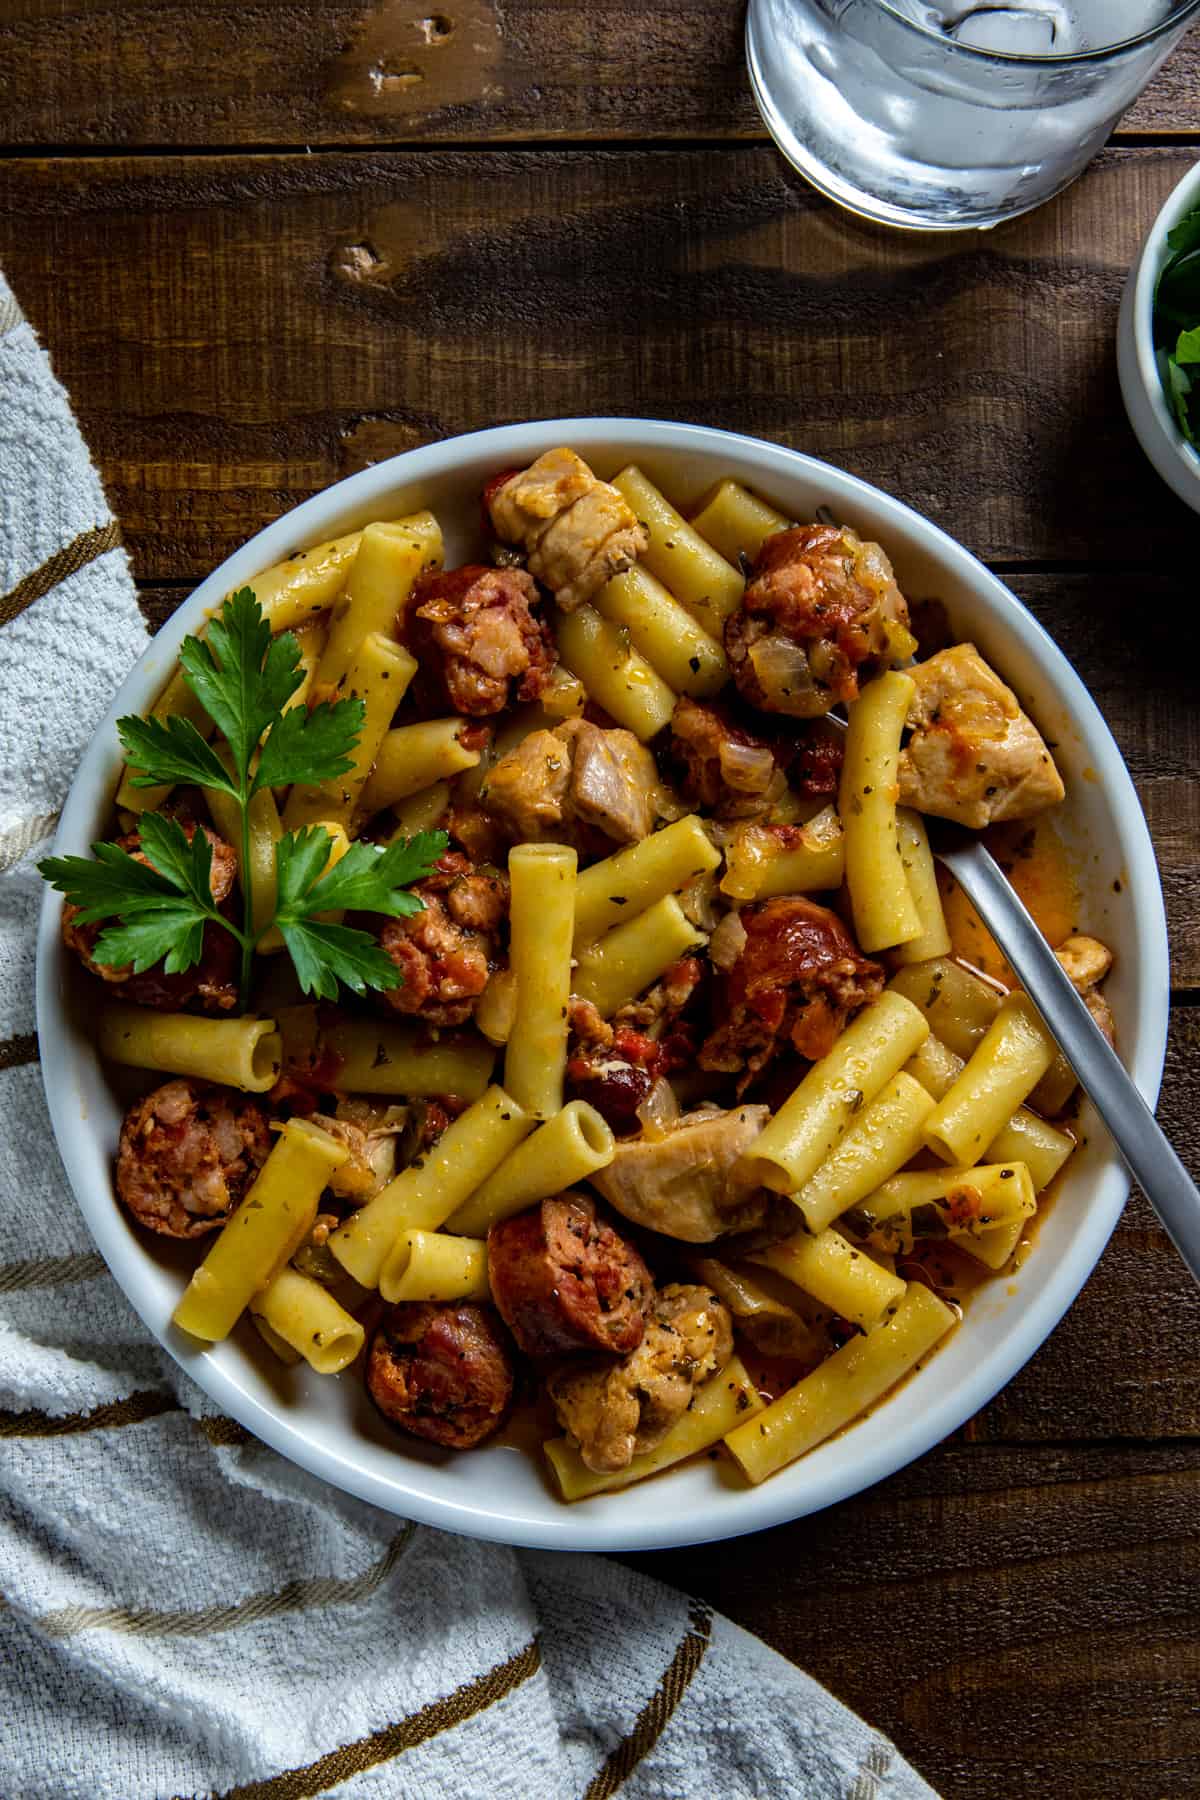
567	1528
1183	198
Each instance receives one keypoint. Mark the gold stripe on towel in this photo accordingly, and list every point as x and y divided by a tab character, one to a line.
81	551
16	1052
294	1596
10	315
223	1433
392	1740
19	838
113	1413
654	1717
49	1271
866	1782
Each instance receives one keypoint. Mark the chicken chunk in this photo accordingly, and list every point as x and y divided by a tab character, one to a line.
577	775
613	780
578	531
684	1184
615	1413
371	1161
973	756
819	606
526	791
1086	961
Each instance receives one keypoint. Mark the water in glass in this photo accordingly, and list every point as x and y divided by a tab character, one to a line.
943	116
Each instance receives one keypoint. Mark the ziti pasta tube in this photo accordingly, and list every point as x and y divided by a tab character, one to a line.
433	1265
309	1321
616	675
921	875
704	582
880	900
542	924
423	1196
814	1119
631	880
959	1005
630	958
378	1057
689	660
386	563
1003	1070
245	1053
886	1135
736	521
828	1267
263	1233
842	1387
565	1150
296	590
1025	1138
412	757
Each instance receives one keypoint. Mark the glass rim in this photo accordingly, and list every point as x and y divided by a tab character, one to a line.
1027	59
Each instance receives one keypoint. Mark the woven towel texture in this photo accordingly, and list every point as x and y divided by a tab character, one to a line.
183	1612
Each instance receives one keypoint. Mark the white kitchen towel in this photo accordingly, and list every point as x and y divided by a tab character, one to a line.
183	1612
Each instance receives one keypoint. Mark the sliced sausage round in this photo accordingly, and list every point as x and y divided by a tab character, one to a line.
565	1279
441	1372
479	645
188	1153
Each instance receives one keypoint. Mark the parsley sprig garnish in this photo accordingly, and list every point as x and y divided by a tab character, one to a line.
1177	325
244	678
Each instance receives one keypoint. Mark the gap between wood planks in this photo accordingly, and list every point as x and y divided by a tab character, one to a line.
499	145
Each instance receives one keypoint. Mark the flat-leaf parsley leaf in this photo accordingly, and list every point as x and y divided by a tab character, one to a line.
244	678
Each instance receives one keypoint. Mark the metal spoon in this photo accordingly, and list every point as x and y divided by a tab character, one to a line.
1135	1131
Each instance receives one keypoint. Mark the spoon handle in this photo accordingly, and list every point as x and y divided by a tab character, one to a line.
1151	1160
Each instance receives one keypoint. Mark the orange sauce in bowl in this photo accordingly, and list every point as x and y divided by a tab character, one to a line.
1035	860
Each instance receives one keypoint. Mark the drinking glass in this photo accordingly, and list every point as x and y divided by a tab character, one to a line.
940	116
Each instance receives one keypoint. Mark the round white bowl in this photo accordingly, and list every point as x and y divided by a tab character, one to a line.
1149	410
500	1492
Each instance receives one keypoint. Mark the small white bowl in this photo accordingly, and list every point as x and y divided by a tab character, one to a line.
326	1424
1137	366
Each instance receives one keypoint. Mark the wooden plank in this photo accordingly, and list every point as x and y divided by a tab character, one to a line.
1021	1621
238	333
1146	692
339	72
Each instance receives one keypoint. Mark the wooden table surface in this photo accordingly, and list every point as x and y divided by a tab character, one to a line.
268	245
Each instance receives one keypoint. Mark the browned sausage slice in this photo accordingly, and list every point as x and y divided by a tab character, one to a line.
564	1279
188	1153
441	1372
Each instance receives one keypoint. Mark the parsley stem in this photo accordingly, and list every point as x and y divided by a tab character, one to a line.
247	932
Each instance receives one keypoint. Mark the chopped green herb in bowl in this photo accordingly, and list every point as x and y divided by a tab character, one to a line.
1158	341
1177	324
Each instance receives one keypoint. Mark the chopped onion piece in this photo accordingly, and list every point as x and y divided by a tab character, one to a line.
659	1111
749	768
783	670
727	942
